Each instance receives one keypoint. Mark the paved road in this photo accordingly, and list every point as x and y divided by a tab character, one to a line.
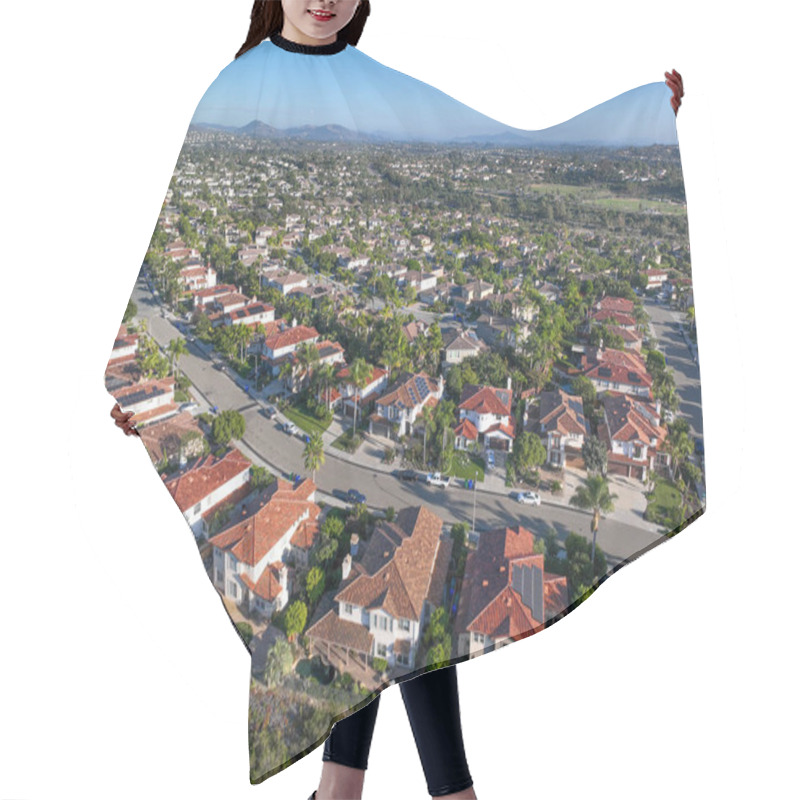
282	453
667	329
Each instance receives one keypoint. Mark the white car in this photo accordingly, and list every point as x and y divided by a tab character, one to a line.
437	479
527	498
290	428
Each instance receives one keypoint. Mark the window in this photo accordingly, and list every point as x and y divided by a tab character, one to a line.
233	589
348	608
383	623
405	624
197	508
478	637
220	576
382	650
400	659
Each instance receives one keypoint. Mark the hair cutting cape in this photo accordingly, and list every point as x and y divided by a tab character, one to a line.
505	316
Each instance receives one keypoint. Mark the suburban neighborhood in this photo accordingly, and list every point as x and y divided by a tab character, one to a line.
414	403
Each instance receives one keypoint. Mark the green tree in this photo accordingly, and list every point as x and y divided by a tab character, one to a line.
594	496
595	455
278	662
360	373
314	454
295	619
315	584
228	424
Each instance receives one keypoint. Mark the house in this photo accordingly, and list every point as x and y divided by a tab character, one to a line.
279	345
419	281
632	432
404	401
249	558
562	425
206	484
617	370
150	399
126	345
194	278
250	314
376	383
506	593
286	282
617	318
656	278
501	332
615	304
204	297
485	417
460	345
387	594
175	439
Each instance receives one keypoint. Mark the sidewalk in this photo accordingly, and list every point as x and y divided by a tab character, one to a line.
629	505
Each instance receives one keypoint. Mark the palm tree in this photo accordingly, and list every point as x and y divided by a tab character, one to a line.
314	454
176	348
286	373
307	358
324	378
596	497
427	421
360	373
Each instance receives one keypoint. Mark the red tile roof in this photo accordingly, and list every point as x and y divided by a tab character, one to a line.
332	628
616	304
399	562
486	400
489	604
410	391
205	476
251	539
562	413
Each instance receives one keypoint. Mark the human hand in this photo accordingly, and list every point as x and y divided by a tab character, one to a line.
122	420
675	82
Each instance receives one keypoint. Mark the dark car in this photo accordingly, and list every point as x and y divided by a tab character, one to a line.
354	496
269	412
405	474
698	446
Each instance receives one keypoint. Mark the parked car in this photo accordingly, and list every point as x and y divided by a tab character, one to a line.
437	479
490	459
270	412
290	428
356	497
527	498
405	474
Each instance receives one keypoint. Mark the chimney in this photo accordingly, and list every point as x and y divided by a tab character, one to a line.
347	563
354	544
282	574
508	383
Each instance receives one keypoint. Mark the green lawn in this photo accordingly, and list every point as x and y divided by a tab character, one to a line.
304	420
348	443
663	503
466	466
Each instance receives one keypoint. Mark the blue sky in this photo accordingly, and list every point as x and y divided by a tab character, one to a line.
286	89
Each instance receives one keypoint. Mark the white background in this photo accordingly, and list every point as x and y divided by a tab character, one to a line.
121	674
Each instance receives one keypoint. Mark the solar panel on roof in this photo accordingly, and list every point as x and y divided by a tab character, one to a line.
538	593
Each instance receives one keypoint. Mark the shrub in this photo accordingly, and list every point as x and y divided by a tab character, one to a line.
379	664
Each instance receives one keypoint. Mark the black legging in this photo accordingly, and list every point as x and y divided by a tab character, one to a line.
431	701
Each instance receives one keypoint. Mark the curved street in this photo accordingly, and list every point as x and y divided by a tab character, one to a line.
265	444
